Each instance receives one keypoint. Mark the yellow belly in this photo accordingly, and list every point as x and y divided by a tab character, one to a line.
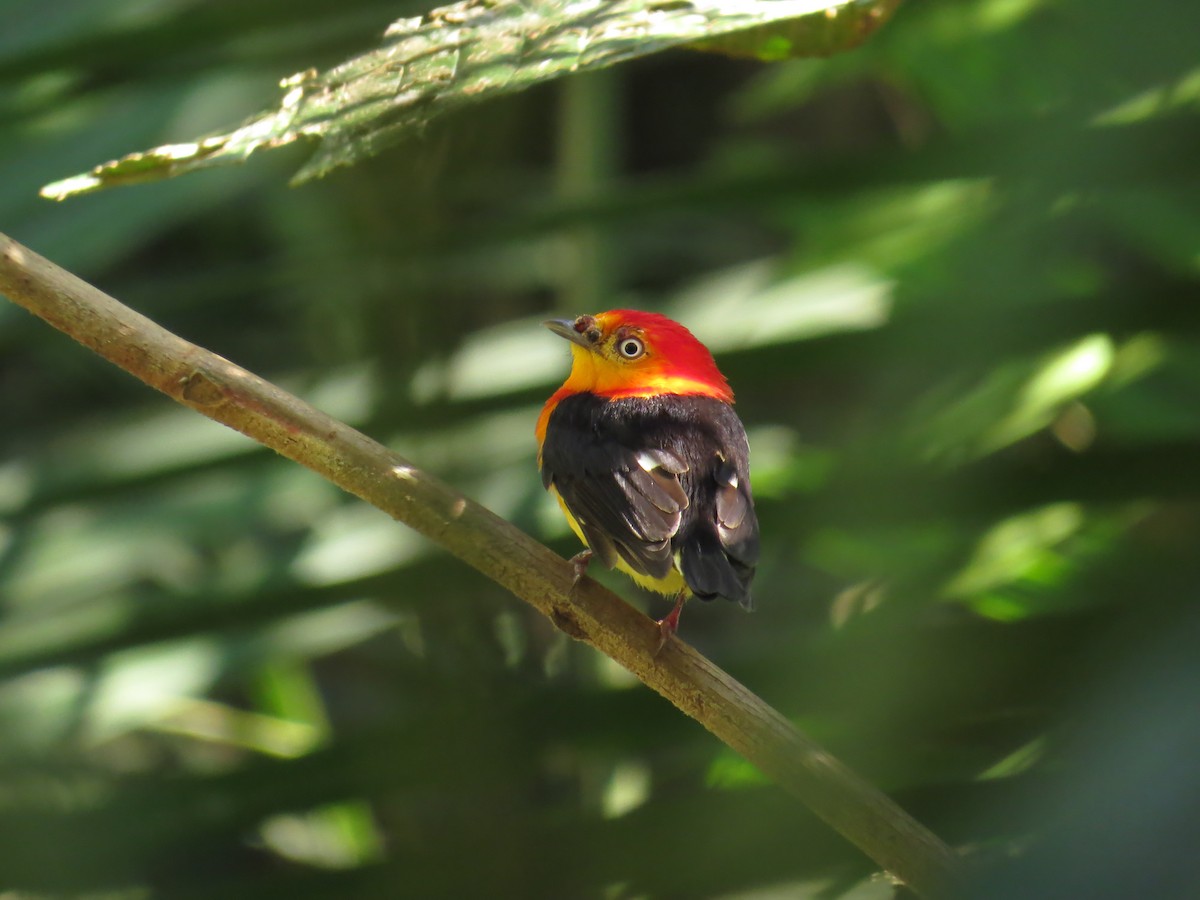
671	585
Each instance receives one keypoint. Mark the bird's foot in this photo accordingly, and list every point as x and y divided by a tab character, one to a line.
669	624
579	562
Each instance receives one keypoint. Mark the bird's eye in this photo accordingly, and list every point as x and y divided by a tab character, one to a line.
631	348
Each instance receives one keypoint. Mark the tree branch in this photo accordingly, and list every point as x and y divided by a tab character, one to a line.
235	397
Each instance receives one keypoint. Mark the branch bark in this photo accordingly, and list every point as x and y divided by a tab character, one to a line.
235	397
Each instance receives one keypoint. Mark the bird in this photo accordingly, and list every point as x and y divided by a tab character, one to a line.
648	460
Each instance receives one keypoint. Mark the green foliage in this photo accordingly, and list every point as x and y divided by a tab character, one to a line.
465	53
952	276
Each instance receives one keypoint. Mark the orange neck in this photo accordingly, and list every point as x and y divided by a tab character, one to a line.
674	384
591	374
596	375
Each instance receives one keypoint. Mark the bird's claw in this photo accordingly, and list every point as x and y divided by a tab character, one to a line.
669	624
579	562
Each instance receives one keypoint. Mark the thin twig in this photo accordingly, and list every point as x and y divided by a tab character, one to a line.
229	394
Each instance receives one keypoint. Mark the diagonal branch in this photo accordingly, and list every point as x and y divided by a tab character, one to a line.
235	397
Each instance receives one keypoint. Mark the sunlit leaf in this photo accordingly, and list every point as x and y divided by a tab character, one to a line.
462	54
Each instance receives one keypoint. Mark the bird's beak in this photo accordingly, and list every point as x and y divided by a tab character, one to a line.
566	328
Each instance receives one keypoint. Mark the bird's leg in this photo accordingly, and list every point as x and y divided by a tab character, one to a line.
669	623
579	562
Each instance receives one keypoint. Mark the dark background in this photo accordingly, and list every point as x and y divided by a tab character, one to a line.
953	277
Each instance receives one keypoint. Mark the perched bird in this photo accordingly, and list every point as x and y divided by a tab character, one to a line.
649	462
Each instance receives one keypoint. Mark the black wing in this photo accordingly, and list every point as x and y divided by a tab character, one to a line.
659	483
